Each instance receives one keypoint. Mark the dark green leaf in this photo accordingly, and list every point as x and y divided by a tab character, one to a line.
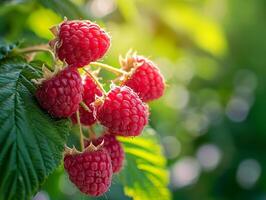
31	143
145	176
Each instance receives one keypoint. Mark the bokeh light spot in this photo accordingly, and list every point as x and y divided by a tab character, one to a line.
177	97
185	172
209	156
101	8
172	146
237	109
248	173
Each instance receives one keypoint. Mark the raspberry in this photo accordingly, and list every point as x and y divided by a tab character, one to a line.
113	147
145	79
61	94
80	42
90	92
90	171
122	112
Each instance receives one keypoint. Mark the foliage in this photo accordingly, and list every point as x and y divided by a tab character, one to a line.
31	142
144	168
64	8
35	141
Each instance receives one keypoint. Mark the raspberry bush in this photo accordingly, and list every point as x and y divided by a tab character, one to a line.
47	98
209	110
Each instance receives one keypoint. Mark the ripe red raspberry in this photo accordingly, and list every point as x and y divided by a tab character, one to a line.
90	171
80	42
90	92
145	79
113	147
61	94
122	112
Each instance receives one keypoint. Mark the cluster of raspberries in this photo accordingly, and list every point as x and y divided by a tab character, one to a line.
122	111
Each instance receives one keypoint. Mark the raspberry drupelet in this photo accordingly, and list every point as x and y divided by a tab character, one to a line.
123	112
91	90
61	94
145	78
79	42
114	149
90	170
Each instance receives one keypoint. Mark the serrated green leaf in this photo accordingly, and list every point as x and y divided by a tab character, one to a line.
145	176
5	49
31	143
65	8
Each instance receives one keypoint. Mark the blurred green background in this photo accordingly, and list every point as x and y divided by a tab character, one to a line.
211	121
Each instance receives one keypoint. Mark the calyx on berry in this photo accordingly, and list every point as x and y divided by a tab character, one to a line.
60	92
143	77
90	147
90	170
79	42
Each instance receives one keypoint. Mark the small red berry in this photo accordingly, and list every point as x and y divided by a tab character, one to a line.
91	90
61	94
123	112
145	79
113	147
90	171
80	42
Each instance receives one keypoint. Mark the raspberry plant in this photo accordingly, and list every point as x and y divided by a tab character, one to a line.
41	101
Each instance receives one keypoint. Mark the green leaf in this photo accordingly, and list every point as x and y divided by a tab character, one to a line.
66	8
31	142
145	176
5	49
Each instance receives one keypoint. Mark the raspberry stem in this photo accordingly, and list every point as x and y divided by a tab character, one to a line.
83	105
96	81
42	47
109	68
80	132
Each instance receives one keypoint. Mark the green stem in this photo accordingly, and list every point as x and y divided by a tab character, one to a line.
96	81
109	68
83	105
37	48
80	132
